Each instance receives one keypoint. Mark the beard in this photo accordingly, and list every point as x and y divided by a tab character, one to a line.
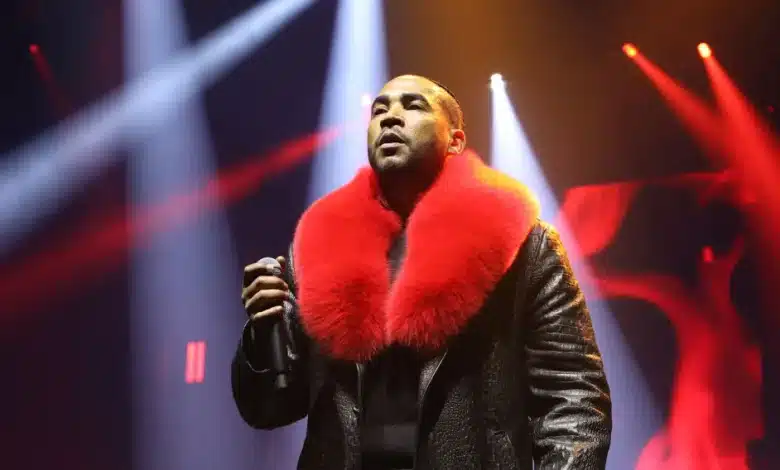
420	160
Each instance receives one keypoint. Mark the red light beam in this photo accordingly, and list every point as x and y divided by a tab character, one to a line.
754	153
98	248
56	95
696	116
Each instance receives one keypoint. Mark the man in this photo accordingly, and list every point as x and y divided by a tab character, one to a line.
438	323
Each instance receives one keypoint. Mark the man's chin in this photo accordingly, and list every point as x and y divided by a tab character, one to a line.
391	163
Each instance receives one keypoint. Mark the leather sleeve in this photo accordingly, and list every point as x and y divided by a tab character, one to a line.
259	402
570	407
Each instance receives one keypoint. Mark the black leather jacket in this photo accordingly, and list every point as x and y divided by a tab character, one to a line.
523	382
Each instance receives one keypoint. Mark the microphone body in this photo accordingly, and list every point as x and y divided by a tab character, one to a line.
280	360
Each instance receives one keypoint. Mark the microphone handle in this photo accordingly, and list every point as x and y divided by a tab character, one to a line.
279	359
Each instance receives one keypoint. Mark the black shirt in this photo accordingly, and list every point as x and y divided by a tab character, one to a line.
389	426
390	407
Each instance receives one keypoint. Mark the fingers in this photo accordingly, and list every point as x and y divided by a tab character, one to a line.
263	283
264	299
264	292
269	312
251	271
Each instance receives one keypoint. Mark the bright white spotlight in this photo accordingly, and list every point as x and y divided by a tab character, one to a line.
704	50
37	177
496	80
173	157
513	154
355	68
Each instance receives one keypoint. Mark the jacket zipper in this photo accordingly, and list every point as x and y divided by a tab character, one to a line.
420	409
359	389
359	409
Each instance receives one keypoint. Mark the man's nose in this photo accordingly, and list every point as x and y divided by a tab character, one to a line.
391	120
392	117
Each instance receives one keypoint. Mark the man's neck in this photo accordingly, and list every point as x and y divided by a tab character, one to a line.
402	196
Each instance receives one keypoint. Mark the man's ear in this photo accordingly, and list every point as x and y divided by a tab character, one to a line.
457	142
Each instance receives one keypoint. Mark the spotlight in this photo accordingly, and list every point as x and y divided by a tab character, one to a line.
34	49
496	80
707	255
630	50
704	50
365	100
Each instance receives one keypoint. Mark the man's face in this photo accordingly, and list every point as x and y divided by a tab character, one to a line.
409	129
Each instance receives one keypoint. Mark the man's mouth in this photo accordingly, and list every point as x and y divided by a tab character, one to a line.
390	139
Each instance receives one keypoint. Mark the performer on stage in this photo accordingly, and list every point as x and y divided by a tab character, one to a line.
431	320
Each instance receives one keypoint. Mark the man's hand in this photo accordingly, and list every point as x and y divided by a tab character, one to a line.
263	292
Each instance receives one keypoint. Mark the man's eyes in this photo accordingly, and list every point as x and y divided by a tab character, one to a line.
418	106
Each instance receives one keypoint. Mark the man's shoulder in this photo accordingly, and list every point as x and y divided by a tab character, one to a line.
536	235
542	238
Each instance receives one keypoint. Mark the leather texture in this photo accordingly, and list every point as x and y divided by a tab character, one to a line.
523	382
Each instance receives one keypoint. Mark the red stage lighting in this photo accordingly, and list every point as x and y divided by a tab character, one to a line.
704	50
195	362
630	50
707	254
34	49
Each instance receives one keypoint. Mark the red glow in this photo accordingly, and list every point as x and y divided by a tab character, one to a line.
752	151
705	126
704	50
611	201
715	407
195	362
707	255
630	50
736	136
57	96
101	246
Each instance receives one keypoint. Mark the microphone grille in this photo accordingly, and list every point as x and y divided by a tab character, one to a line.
276	268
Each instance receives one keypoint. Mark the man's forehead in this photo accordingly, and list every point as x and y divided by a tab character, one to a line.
402	85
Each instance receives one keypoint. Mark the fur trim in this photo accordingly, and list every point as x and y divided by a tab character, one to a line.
462	237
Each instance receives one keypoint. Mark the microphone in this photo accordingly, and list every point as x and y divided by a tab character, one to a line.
278	344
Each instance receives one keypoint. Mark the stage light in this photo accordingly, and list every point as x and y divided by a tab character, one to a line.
707	255
356	70
42	173
195	362
34	49
630	50
496	80
704	50
513	154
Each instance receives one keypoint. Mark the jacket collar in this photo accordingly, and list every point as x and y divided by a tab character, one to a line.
461	238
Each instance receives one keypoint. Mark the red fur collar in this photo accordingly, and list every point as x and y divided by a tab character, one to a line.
460	240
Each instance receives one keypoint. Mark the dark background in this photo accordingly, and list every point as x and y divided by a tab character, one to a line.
591	115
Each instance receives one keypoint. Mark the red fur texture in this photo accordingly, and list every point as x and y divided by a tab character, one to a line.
461	238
